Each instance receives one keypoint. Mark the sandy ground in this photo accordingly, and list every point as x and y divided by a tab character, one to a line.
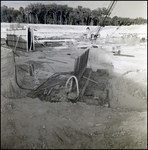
35	124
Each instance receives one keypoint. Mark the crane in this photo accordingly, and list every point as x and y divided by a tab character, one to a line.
109	10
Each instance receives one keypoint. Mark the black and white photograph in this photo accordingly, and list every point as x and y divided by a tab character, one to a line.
73	74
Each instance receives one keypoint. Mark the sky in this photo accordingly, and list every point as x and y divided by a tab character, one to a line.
131	9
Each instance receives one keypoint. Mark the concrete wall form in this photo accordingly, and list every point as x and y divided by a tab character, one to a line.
14	34
25	41
81	64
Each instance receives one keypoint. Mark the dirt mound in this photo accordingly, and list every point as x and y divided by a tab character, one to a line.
54	90
99	58
124	93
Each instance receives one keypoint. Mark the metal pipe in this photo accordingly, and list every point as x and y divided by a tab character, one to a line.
71	84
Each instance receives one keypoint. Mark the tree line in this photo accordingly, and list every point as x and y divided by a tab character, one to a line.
38	13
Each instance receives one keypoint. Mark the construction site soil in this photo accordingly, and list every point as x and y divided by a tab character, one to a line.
36	112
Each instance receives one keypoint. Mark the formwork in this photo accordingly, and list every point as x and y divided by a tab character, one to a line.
21	38
81	64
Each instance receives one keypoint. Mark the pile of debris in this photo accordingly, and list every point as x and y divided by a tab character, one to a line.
50	89
95	93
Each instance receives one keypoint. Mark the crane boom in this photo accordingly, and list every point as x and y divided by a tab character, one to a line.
109	10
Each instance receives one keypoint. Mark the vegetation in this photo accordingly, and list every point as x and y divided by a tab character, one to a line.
38	13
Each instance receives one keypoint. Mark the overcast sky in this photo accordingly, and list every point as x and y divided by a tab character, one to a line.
131	9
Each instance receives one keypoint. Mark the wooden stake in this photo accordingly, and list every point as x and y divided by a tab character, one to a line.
124	55
16	44
47	79
57	61
27	38
86	84
90	79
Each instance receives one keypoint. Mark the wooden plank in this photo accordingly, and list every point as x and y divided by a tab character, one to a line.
76	60
27	38
16	45
75	63
83	64
80	64
90	80
57	61
77	67
87	55
33	38
86	84
64	40
124	55
47	80
12	38
80	67
85	60
44	62
18	41
20	45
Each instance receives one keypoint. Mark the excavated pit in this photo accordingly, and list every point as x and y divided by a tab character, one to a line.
34	123
95	94
121	91
54	122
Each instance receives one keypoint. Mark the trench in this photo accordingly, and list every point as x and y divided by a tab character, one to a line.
110	90
95	93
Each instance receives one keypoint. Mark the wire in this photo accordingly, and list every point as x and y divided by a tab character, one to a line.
110	8
51	67
16	75
42	44
48	64
14	53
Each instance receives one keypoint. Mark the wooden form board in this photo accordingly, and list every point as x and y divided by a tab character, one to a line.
30	32
81	64
14	34
32	36
22	34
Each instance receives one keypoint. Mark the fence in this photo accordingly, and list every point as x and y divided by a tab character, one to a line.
81	64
